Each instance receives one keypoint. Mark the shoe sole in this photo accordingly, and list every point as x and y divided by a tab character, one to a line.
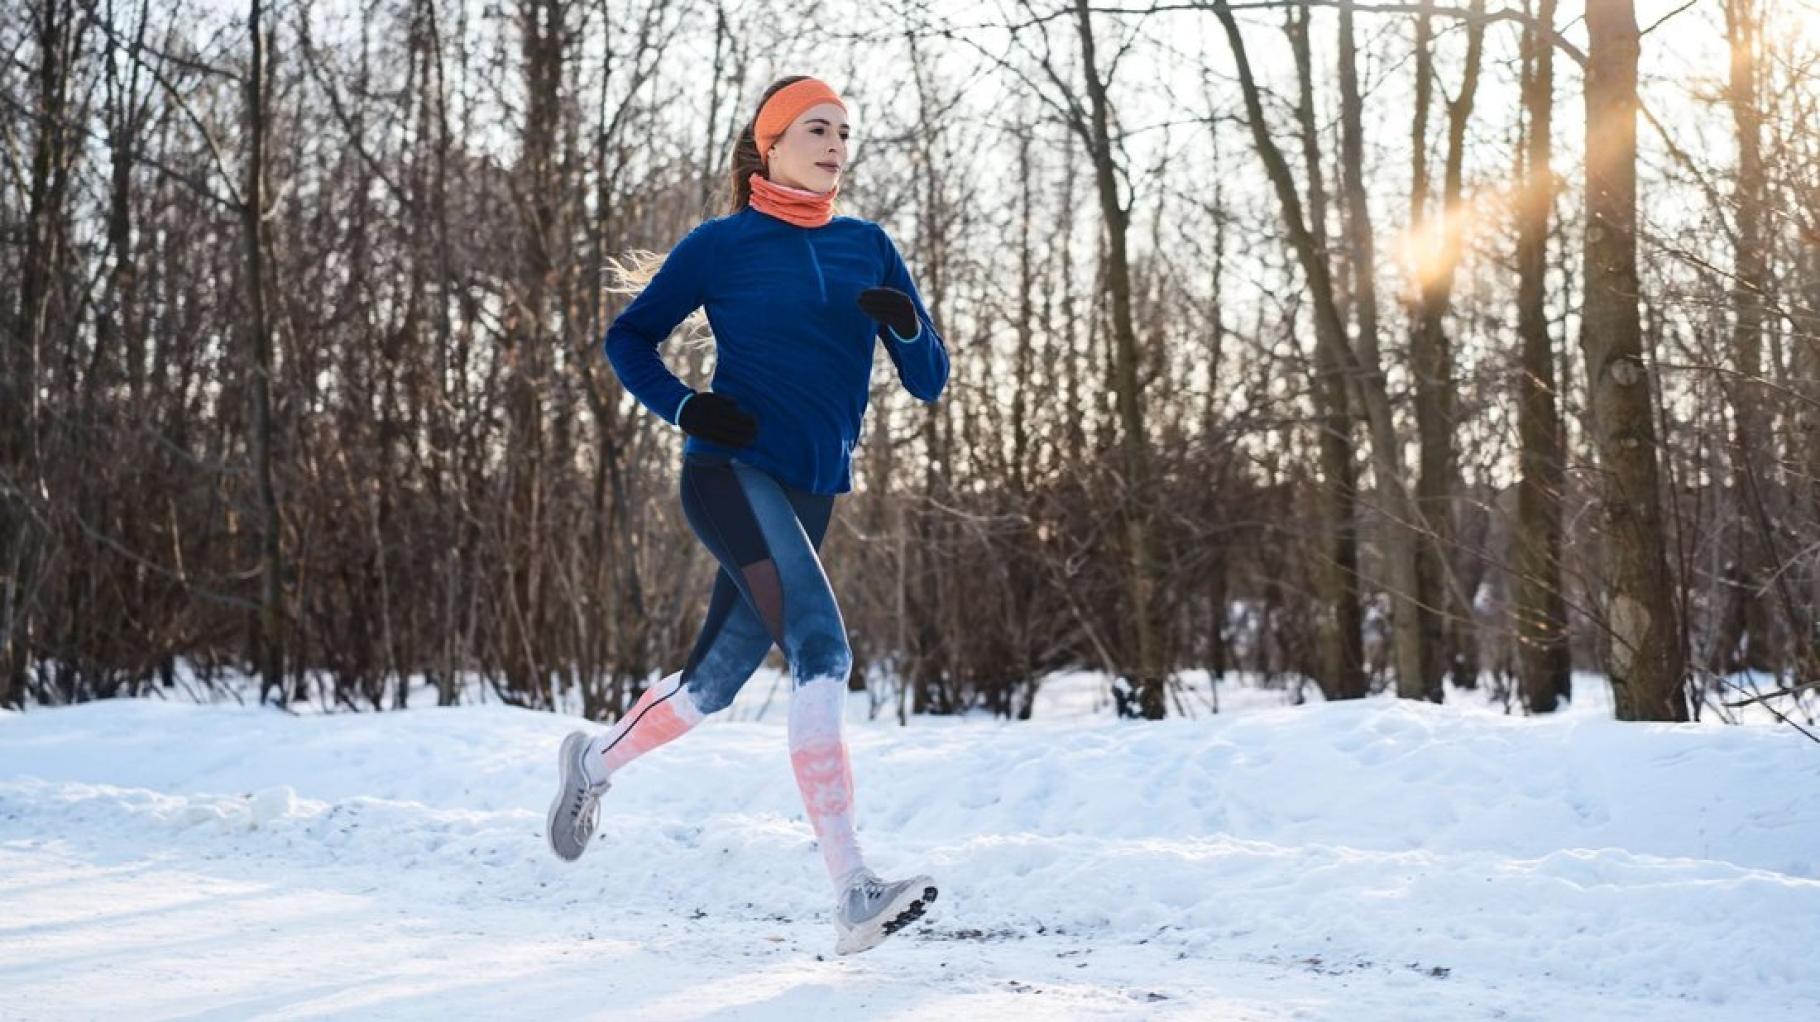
906	909
568	762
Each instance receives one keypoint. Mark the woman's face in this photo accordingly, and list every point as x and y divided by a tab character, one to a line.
812	151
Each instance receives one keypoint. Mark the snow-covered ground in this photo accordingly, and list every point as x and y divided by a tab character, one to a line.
1375	860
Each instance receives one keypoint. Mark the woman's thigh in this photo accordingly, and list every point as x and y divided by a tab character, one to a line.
771	586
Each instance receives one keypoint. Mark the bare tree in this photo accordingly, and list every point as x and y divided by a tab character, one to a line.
1744	636
1401	536
1342	674
1095	126
1541	607
1647	652
1440	236
260	432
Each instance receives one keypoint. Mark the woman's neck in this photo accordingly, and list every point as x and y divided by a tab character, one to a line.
794	187
792	205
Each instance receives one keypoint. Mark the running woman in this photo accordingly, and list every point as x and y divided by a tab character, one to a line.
797	299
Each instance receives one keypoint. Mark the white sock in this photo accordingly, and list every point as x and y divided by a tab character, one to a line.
594	764
818	754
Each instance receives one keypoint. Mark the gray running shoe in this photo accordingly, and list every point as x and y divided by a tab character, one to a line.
576	807
870	909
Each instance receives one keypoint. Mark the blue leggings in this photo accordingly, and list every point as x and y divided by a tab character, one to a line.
770	589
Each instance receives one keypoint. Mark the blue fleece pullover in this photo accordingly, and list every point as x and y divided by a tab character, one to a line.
791	344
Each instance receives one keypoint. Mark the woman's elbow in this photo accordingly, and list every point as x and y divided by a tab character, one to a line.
931	389
622	346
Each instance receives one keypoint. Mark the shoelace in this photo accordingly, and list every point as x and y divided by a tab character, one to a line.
871	889
580	812
587	806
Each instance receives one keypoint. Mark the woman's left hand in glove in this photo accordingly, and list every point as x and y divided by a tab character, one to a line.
891	307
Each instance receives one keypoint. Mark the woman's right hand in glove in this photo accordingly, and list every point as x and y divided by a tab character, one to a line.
718	419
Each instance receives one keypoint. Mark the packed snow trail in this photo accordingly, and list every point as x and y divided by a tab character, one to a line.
1379	859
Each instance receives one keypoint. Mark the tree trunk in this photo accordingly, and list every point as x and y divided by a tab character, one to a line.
259	342
1342	633
1026	318
1361	252
545	28
116	331
1742	638
1219	576
1419	674
1147	675
1439	241
1646	661
1541	607
1806	342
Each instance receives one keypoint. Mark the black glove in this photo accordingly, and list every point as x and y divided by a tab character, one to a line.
890	307
718	419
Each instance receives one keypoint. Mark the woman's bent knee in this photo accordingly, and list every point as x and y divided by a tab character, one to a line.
822	654
711	697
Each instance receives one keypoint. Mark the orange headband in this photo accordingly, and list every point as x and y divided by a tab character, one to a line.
786	105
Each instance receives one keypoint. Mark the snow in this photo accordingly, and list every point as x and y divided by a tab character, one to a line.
1368	860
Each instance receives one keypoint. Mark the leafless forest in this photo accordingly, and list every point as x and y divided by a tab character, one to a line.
1371	344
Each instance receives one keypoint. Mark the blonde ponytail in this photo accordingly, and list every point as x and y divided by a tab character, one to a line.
628	275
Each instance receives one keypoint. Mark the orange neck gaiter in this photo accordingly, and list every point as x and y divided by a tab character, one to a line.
792	205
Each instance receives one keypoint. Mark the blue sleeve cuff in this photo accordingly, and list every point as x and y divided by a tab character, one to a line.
906	340
676	419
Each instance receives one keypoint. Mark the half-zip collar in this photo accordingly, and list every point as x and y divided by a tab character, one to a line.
815	261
